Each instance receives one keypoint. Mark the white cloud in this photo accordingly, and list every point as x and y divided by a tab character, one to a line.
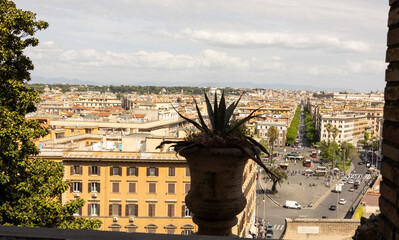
267	39
207	58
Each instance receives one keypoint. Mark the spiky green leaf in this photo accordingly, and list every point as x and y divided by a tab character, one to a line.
197	125
211	114
203	124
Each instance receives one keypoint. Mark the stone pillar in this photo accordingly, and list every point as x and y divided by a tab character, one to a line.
388	223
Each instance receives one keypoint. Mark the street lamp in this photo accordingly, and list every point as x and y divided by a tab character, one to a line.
264	209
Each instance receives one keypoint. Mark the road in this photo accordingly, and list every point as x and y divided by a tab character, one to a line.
276	214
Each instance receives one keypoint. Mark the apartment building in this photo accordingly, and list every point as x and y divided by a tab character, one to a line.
351	127
261	128
139	191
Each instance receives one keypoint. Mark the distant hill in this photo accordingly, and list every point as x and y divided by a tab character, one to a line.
44	80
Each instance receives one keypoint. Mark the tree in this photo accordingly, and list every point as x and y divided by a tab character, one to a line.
278	176
272	136
348	152
30	188
334	132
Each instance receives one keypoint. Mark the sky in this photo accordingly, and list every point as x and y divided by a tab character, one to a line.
323	43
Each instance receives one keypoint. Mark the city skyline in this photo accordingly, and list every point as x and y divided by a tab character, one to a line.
192	43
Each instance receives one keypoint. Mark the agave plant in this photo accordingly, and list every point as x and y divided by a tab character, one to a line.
223	131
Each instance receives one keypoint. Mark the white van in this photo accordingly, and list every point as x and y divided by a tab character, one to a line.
292	204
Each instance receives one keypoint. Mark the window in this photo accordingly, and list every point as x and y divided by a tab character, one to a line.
171	188
79	212
115	187
115	210
76	169
94	210
152	188
115	171
151	210
132	210
94	170
132	171
187	187
152	171
87	131
94	187
171	210
59	135
76	187
185	211
172	172
187	172
132	187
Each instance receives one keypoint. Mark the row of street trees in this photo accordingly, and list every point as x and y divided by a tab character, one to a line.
30	188
292	131
311	132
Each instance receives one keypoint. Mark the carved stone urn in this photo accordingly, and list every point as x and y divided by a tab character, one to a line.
215	197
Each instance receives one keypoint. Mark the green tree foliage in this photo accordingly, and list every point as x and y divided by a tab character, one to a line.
311	132
30	188
278	176
292	131
366	136
326	150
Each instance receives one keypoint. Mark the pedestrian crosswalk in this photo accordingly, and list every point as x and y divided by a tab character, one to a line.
278	227
359	176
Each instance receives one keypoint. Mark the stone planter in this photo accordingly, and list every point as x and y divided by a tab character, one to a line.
215	197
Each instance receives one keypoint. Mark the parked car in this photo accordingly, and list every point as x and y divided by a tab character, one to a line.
350	181
342	201
324	217
333	208
351	189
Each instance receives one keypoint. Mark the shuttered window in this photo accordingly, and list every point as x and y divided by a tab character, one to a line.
132	187
152	171
187	172
115	210
151	210
152	188
115	187
172	171
115	171
187	187
132	210
133	171
171	188
171	210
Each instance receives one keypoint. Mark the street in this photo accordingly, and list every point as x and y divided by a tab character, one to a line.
308	191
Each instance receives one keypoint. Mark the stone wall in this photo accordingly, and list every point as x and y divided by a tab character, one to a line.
388	224
320	229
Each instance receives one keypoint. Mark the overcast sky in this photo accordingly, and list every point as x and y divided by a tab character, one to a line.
323	43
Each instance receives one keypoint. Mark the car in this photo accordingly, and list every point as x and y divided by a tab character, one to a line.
269	227
269	236
342	201
343	181
350	181
333	208
351	189
360	163
324	217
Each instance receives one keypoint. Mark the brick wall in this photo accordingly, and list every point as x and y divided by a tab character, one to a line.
388	225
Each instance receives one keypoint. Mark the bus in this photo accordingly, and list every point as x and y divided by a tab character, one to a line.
307	163
314	154
321	171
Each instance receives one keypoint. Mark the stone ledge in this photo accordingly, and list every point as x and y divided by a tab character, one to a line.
31	233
